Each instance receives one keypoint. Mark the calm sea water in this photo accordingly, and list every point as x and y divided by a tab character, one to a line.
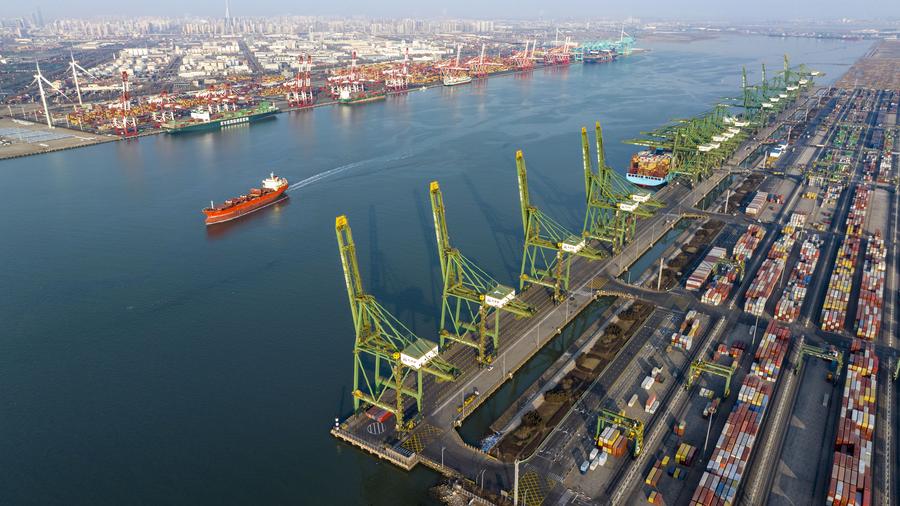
147	360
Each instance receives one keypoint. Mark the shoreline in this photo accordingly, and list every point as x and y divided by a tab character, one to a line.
102	138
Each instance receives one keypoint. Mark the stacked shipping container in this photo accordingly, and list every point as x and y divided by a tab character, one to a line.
871	296
834	309
613	441
757	204
684	338
748	242
856	218
720	287
726	467
770	352
885	168
698	277
770	271
788	307
851	471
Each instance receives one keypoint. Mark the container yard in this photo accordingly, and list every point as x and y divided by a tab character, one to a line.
852	481
696	405
870	309
788	307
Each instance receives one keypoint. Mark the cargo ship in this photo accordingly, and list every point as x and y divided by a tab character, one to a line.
599	56
453	80
273	188
348	97
650	168
203	120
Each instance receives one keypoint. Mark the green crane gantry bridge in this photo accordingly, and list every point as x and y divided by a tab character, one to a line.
702	366
634	429
830	354
549	247
384	345
613	203
697	144
770	97
470	297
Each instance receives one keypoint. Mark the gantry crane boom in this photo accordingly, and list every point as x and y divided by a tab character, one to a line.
613	203
471	298
383	344
549	247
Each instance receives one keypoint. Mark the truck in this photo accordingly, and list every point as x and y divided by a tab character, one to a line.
711	408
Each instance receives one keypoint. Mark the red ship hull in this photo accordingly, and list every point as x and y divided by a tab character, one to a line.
214	216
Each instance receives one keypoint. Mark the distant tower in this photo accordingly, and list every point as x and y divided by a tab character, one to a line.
227	14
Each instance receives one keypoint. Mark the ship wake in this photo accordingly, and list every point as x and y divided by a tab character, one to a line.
335	171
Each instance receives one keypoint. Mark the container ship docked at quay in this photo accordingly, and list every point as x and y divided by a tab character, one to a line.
650	168
272	191
656	166
204	119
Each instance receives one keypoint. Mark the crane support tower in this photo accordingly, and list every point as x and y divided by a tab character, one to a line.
126	125
300	89
702	366
613	203
388	359
549	247
471	298
634	429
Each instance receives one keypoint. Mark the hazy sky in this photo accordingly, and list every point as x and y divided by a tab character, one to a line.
557	9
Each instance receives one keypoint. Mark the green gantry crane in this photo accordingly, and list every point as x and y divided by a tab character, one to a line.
634	429
702	366
697	144
549	247
384	345
613	203
470	297
829	353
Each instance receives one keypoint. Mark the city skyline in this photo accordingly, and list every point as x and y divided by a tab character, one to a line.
829	10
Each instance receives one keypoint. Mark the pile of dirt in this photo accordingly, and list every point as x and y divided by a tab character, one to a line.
737	198
538	423
674	268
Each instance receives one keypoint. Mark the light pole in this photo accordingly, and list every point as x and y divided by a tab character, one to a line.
482	478
442	455
755	329
708	427
516	483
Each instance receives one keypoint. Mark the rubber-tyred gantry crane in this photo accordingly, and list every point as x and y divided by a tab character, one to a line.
613	204
471	298
384	345
701	366
549	247
829	353
633	428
